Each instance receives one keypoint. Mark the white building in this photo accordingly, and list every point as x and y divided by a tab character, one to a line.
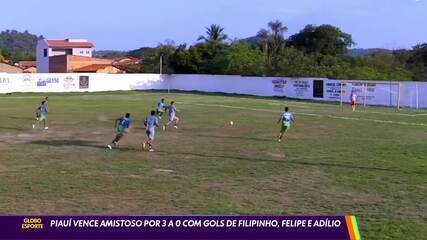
49	48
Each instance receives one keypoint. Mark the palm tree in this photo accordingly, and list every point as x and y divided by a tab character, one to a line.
214	33
272	40
277	29
274	36
263	40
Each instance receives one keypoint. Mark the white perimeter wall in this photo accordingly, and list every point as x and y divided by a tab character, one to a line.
406	94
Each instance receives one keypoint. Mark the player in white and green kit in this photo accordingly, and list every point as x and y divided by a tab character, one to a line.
151	123
41	115
160	108
286	119
172	116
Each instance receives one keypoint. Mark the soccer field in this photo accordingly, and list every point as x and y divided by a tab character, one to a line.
371	163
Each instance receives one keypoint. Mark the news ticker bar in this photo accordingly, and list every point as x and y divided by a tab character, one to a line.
179	227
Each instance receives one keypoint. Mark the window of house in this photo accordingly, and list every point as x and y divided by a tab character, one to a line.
81	52
45	52
87	52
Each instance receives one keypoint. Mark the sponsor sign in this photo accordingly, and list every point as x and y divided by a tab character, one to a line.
84	82
302	88
27	81
69	83
4	81
43	82
333	90
278	85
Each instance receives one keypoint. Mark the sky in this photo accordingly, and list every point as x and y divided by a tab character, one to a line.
131	24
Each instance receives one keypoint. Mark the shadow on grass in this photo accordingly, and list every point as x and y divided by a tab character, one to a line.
319	164
22	118
76	143
11	128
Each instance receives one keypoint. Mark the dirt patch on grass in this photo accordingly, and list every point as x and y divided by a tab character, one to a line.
164	170
3	168
277	155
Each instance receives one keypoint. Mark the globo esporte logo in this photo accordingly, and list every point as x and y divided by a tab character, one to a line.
32	223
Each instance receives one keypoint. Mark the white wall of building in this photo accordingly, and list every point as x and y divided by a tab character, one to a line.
404	94
85	52
58	52
42	61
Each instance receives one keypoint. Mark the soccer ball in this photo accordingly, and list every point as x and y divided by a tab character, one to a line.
231	123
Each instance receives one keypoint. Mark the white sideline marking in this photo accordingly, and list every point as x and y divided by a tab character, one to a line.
317	115
311	106
253	109
377	120
399	114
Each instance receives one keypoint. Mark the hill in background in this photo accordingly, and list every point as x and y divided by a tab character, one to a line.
18	46
361	52
353	52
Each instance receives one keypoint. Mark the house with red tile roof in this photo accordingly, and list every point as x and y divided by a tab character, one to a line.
51	48
7	67
28	66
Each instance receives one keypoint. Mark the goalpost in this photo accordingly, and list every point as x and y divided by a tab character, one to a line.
371	93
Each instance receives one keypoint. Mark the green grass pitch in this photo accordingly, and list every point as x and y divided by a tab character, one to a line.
371	163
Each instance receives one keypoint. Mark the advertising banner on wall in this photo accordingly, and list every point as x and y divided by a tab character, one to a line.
278	85
69	83
49	82
332	90
302	88
405	94
28	82
84	82
6	83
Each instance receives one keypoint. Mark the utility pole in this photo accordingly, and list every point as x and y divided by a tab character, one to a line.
161	64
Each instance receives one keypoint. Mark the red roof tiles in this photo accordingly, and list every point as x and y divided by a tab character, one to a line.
68	44
92	68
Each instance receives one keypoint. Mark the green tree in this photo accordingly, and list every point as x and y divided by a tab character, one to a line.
214	33
18	46
294	63
323	39
165	51
1	56
272	43
184	61
417	63
211	57
244	60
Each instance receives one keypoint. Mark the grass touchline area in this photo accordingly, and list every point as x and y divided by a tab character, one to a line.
371	163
